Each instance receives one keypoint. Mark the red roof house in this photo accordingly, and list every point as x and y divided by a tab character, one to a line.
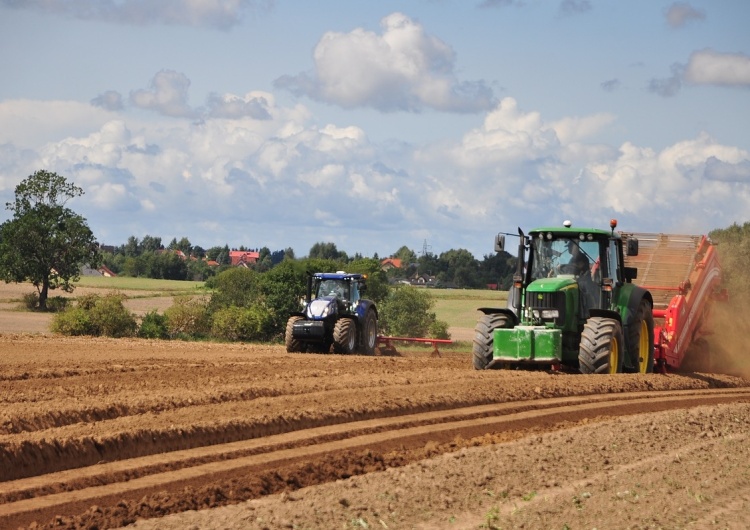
243	257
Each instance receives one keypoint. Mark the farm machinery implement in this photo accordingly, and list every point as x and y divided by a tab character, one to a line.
600	301
684	276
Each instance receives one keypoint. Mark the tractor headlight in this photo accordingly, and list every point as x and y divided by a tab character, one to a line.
546	314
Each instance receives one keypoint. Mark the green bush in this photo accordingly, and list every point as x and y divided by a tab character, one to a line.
188	317
406	312
96	315
153	326
88	301
439	330
73	321
240	323
55	304
238	287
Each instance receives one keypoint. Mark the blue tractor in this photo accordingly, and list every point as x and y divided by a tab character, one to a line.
334	316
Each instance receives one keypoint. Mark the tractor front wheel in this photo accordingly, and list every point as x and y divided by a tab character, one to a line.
483	343
369	333
344	336
292	344
601	347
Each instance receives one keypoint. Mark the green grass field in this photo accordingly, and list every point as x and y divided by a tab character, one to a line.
458	307
124	283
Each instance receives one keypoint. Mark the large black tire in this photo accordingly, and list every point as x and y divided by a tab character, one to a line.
484	337
369	333
292	345
344	336
641	340
601	347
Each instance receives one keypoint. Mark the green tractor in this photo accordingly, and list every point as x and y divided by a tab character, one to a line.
572	306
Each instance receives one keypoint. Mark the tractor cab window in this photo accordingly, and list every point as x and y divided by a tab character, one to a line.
613	271
354	292
339	288
563	257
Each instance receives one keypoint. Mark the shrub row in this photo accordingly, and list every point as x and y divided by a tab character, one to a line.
244	305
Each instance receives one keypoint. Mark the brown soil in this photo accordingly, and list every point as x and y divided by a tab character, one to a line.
100	433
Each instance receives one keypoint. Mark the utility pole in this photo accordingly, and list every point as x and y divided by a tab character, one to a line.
426	248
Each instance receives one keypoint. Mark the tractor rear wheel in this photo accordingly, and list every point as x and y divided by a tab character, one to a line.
344	336
641	340
369	333
483	342
292	344
601	347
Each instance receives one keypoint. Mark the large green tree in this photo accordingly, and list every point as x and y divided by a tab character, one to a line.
45	242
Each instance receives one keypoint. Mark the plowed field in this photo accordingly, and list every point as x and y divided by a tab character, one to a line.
98	433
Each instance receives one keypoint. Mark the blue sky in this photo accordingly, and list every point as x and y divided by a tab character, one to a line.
374	125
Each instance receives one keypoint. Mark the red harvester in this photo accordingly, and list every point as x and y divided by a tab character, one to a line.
683	274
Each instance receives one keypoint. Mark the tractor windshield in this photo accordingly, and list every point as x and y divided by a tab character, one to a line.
562	257
339	288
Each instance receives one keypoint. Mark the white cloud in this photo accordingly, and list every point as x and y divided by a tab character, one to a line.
167	94
109	100
573	129
401	69
239	180
708	67
254	105
679	14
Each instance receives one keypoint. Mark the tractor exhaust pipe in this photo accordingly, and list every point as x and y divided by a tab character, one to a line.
519	276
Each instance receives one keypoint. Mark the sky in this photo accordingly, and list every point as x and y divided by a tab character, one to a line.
431	124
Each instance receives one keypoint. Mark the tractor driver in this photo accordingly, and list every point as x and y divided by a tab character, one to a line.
579	263
332	288
579	266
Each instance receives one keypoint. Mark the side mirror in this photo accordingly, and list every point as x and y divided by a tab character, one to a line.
499	243
632	247
630	273
362	287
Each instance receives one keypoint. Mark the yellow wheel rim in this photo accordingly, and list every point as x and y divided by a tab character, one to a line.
614	356
643	348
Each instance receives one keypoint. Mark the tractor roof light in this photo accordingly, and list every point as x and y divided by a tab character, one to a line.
613	224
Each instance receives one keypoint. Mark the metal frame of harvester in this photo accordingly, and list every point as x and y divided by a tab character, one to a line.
683	274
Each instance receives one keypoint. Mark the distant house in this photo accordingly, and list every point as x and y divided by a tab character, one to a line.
390	263
101	271
243	258
424	280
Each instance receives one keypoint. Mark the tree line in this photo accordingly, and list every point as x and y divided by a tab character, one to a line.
455	268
